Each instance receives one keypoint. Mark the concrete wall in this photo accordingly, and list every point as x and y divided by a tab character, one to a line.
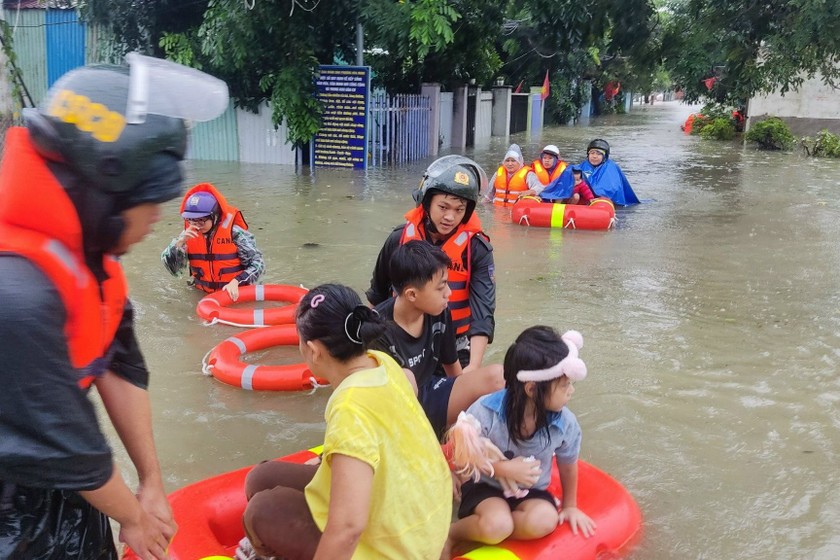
501	110
807	110
432	91
446	102
459	118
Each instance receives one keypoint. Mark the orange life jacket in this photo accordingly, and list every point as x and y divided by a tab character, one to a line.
50	236
542	173
457	248
213	260
507	190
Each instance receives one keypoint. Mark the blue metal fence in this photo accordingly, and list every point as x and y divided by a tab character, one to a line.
65	39
399	128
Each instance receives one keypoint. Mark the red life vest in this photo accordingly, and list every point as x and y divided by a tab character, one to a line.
457	248
507	190
542	173
50	236
213	260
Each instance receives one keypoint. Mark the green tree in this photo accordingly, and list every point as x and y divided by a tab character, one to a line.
139	26
744	47
268	49
468	53
595	40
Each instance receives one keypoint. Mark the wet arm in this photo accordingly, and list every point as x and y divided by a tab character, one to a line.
491	188
482	301
174	258
130	412
569	511
569	481
249	255
380	282
448	350
534	183
350	496
453	369
126	400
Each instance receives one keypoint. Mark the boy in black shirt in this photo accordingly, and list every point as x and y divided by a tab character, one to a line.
420	336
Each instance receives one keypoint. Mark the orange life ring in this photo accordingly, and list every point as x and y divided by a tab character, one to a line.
225	364
214	307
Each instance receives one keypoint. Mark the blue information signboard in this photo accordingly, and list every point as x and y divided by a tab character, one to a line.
344	92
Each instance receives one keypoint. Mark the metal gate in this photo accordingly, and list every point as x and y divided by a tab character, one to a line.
399	128
472	100
519	112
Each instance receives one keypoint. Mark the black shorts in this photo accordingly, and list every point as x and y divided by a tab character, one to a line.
40	523
473	493
434	398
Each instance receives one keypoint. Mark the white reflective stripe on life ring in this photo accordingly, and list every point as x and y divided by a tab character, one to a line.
239	344
248	377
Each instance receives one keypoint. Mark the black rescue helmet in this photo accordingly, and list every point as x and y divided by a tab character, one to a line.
456	175
599	144
82	123
119	134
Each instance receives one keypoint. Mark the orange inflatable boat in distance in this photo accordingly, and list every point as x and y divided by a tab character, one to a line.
530	211
209	517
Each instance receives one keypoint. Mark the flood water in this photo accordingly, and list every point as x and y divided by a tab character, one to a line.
710	317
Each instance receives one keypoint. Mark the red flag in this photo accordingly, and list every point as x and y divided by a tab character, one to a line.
710	83
545	88
519	87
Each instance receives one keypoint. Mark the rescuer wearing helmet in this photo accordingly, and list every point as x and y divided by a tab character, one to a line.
445	216
79	185
216	244
549	166
597	152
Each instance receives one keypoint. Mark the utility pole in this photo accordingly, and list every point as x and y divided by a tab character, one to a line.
360	44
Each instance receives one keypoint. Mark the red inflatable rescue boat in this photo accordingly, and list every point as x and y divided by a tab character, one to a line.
598	215
209	517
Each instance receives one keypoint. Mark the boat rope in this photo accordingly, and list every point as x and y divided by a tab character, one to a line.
613	222
570	224
315	385
216	321
206	369
524	218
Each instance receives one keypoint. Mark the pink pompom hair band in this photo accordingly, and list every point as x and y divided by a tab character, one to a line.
571	366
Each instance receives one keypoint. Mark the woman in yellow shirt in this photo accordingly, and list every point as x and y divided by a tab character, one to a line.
383	488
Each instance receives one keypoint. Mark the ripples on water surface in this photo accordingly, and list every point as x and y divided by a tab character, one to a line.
710	317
